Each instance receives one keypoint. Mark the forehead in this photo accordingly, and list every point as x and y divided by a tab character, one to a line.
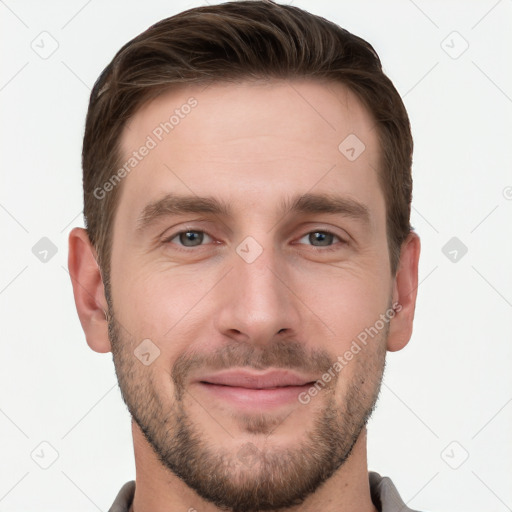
251	143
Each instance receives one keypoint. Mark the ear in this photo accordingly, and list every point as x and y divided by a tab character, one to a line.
404	293
88	290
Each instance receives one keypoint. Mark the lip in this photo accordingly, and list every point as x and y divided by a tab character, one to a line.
257	380
250	390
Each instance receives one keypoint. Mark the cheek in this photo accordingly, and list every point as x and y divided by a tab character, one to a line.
160	304
348	302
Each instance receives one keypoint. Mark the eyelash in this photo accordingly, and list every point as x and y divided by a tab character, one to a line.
326	248
314	247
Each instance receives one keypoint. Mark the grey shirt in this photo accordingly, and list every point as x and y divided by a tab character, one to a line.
384	495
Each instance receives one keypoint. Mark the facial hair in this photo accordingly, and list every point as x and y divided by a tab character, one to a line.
248	479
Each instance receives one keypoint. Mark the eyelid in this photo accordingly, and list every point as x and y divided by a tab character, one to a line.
175	234
343	236
322	231
342	239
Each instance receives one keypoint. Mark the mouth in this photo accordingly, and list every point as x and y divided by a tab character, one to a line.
255	390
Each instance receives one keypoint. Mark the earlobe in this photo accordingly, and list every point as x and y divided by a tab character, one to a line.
88	290
404	294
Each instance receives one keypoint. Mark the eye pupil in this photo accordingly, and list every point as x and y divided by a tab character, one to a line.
322	237
195	237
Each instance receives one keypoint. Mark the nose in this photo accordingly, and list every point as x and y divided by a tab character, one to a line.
256	301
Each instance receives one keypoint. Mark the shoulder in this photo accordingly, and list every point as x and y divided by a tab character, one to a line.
124	498
385	495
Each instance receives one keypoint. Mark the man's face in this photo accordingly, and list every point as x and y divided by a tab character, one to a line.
253	303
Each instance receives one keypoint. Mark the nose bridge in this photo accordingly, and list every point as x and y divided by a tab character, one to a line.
256	302
258	279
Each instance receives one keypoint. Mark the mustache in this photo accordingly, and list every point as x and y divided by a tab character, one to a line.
290	355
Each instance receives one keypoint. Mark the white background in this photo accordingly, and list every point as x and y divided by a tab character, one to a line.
453	382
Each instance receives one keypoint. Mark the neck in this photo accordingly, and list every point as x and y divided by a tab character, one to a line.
159	490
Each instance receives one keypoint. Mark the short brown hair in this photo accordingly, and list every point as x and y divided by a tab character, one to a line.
238	41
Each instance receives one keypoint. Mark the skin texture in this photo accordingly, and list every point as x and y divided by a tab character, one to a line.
298	305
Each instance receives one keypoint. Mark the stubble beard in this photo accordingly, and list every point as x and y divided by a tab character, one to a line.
247	478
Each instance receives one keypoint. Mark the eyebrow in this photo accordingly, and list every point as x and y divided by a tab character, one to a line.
328	203
172	204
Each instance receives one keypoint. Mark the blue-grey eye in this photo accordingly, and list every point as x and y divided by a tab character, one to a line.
190	238
320	238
